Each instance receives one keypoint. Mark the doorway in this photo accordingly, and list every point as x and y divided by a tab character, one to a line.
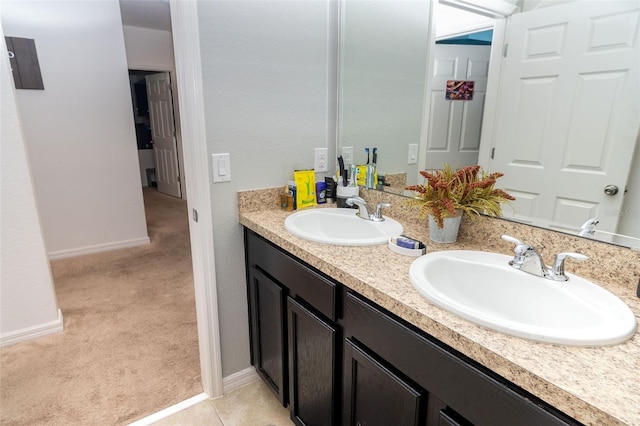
156	131
455	118
459	57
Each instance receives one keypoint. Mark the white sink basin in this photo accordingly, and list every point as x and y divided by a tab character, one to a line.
484	289
340	227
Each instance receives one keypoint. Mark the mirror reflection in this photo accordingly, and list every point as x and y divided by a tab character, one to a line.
561	135
383	62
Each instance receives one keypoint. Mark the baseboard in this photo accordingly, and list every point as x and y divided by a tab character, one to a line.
230	383
239	379
169	411
32	332
98	248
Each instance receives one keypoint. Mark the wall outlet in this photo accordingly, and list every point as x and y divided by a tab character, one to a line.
347	155
322	160
413	154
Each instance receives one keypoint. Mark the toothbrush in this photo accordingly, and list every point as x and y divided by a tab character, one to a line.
371	170
343	171
353	176
367	151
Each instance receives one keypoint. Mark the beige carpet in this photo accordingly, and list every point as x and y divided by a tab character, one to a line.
130	344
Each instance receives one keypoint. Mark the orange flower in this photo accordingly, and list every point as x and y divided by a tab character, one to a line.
469	189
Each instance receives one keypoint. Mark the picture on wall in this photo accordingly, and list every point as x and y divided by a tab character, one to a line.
459	90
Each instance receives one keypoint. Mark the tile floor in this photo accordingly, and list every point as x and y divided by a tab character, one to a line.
251	405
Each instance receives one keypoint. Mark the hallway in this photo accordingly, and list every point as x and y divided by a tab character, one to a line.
130	344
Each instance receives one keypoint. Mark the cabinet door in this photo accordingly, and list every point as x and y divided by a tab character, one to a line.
312	366
376	395
266	312
479	397
438	414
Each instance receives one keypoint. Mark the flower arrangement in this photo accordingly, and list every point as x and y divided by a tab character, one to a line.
470	189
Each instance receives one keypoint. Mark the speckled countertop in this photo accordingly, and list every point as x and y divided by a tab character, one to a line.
596	386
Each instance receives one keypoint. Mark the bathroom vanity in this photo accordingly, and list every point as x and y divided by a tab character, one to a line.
341	337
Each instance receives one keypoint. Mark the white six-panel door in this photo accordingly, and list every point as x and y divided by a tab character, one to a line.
163	133
568	114
454	125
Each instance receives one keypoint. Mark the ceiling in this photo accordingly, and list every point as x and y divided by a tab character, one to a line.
155	14
152	14
453	22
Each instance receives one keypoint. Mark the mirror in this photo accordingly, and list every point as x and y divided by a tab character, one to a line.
385	52
383	62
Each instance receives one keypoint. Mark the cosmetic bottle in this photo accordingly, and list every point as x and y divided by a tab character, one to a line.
321	192
286	199
293	191
331	190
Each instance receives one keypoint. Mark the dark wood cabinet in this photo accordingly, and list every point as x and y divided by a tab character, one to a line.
312	366
336	358
268	327
294	334
460	391
375	394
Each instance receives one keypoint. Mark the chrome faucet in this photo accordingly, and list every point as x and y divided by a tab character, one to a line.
363	209
588	228
527	259
377	216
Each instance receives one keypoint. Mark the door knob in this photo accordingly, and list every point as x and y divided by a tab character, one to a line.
611	189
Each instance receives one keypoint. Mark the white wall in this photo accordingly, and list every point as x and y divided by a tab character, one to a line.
267	75
630	215
79	130
27	300
148	49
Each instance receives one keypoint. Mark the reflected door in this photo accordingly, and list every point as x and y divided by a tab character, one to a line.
568	112
163	133
455	124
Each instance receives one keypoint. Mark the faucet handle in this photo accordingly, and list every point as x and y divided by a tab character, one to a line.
576	256
522	252
557	270
513	240
520	248
377	216
352	200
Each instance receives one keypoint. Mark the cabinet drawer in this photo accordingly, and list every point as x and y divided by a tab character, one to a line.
442	372
299	278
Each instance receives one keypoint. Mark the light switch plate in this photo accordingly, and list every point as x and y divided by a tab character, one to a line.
413	153
221	167
321	160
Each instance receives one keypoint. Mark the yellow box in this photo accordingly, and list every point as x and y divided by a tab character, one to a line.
306	188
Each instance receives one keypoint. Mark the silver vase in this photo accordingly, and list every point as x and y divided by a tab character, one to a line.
449	232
